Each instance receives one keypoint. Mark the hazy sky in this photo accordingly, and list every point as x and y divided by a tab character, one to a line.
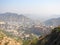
44	7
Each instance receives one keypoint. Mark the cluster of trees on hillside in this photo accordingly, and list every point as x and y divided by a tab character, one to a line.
51	39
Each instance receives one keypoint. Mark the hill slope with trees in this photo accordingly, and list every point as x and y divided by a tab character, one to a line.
51	39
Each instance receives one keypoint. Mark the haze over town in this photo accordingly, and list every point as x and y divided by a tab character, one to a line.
36	9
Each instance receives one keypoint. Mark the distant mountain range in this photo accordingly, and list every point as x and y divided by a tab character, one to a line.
53	22
19	22
22	23
14	18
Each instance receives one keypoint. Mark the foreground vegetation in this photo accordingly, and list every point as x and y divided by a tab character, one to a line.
50	39
6	40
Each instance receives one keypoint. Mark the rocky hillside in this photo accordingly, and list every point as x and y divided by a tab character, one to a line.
5	40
